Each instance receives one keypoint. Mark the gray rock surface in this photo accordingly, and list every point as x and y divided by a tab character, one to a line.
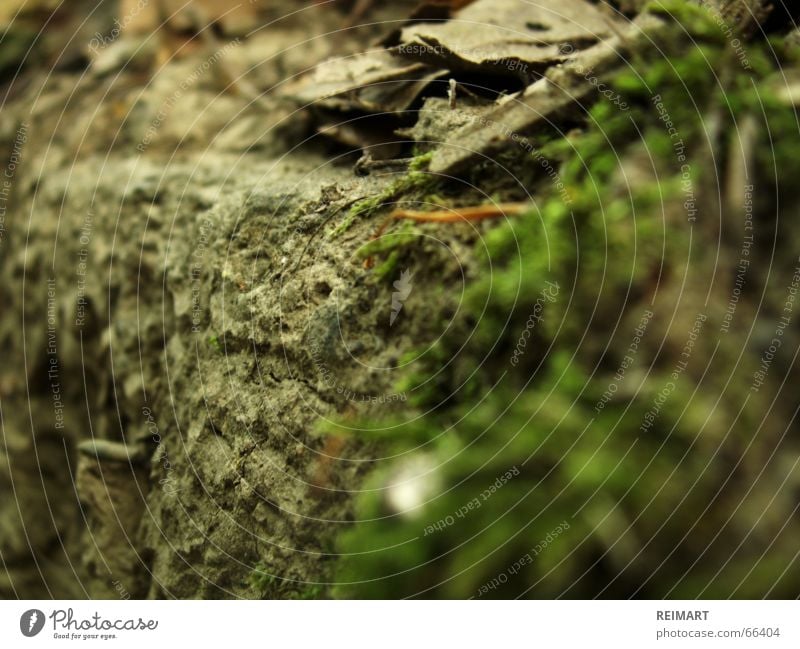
168	282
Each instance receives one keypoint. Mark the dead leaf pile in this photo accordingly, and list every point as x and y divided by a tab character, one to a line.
480	56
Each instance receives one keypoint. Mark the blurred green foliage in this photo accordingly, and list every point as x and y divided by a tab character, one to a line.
702	502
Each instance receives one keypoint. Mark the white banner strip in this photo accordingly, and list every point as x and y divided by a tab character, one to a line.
400	625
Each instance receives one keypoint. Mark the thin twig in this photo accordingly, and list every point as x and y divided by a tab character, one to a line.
457	214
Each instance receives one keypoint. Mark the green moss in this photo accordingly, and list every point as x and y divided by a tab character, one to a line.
417	180
313	591
268	586
389	242
262	581
17	43
387	250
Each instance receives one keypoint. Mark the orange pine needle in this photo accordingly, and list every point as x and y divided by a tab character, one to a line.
462	213
454	215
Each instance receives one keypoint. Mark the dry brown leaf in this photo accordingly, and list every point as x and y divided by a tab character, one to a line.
373	81
514	37
548	101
